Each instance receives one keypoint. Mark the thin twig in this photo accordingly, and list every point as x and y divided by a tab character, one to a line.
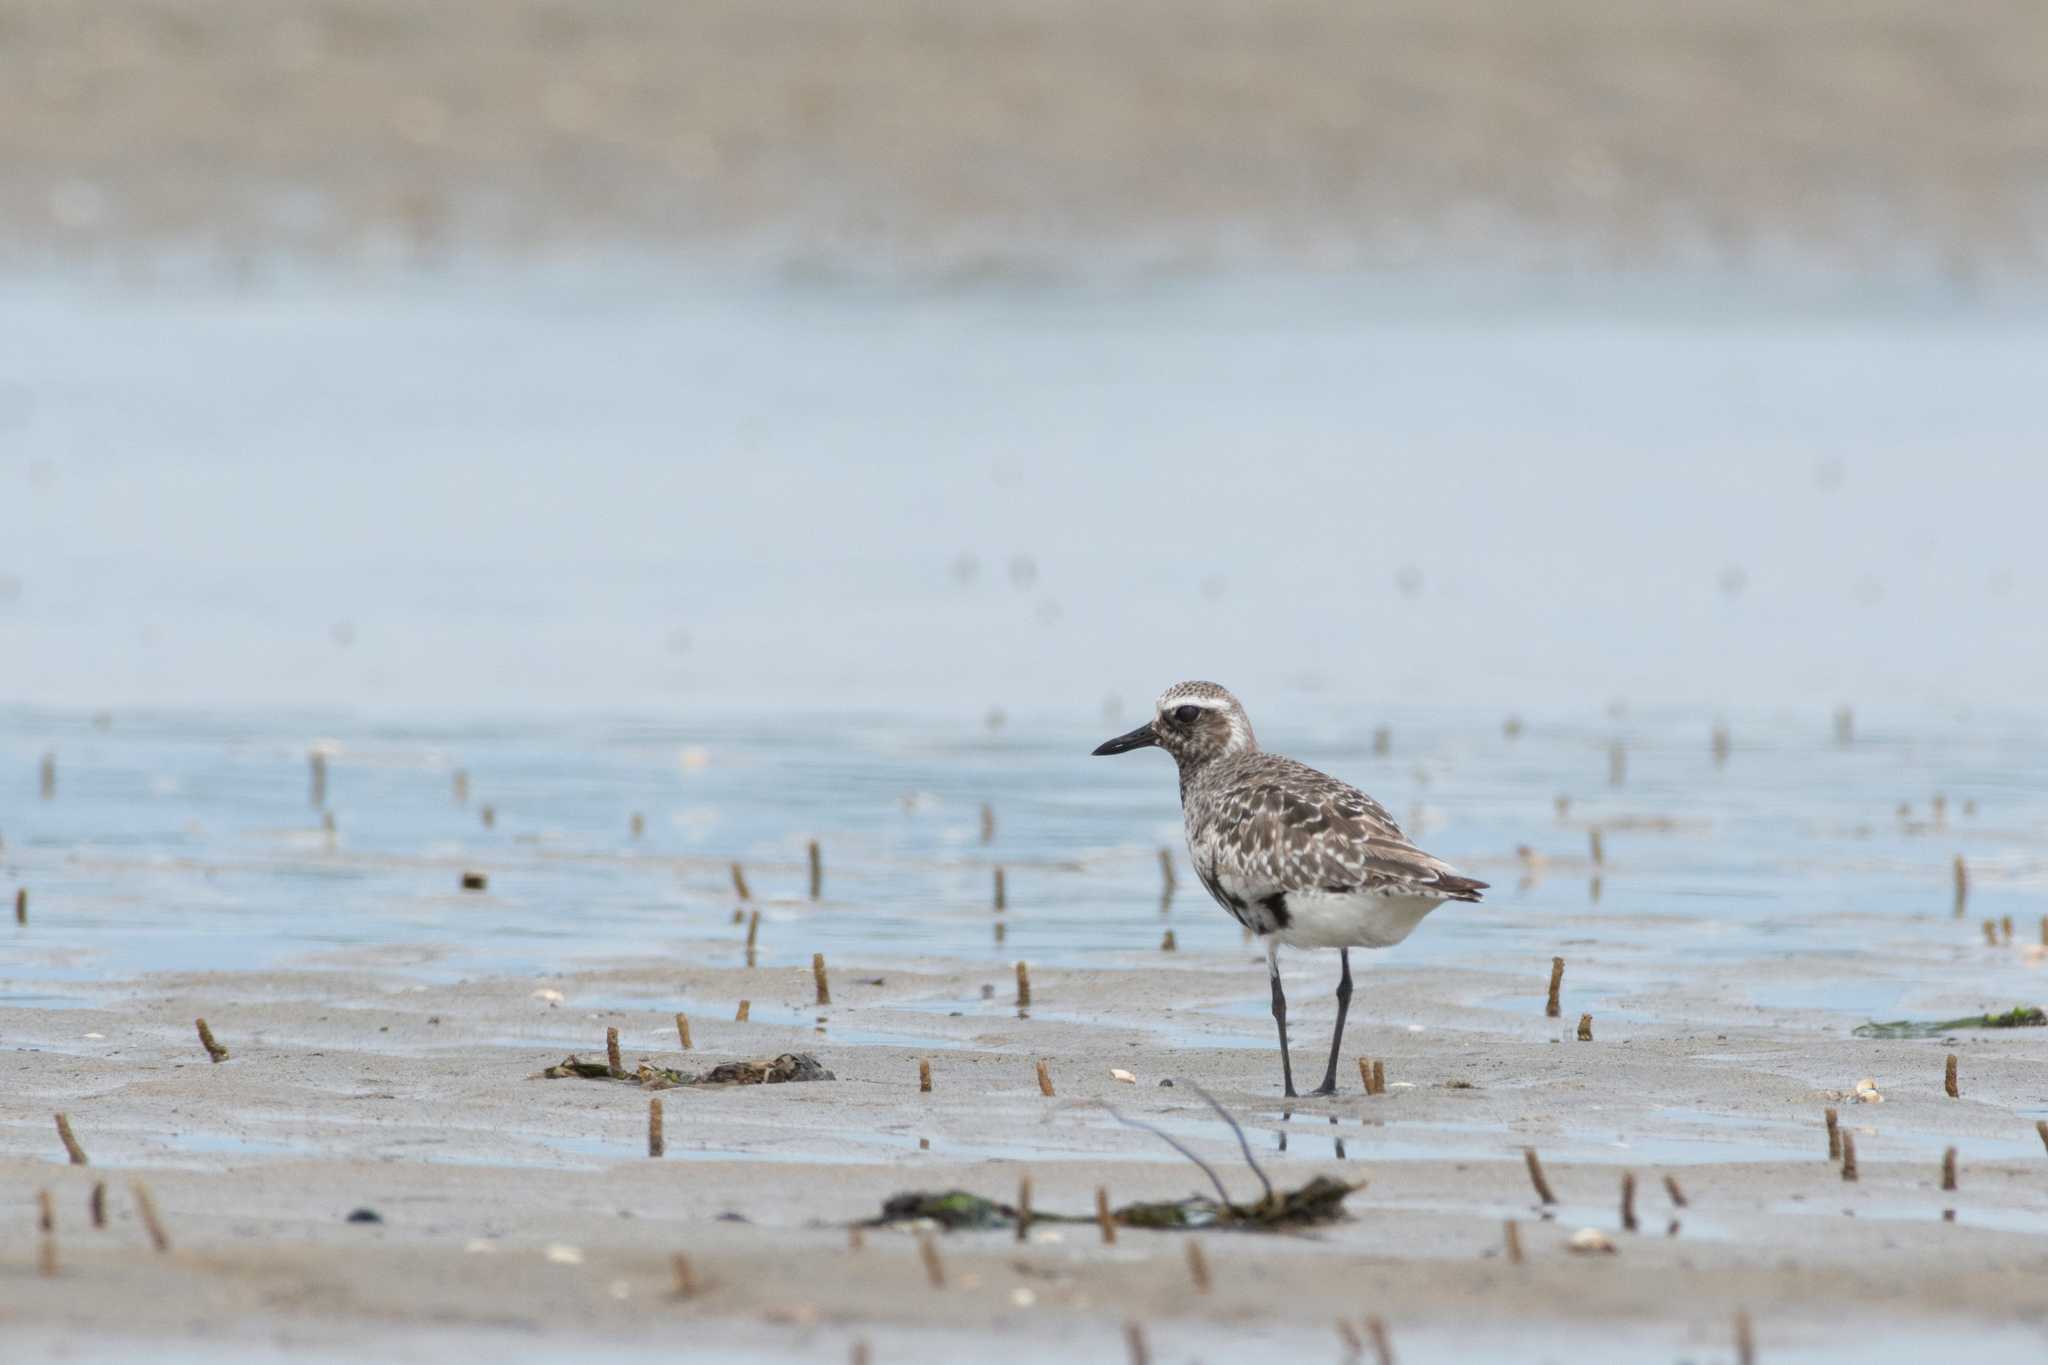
1175	1143
1243	1143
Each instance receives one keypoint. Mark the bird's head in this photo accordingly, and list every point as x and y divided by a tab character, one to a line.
1196	722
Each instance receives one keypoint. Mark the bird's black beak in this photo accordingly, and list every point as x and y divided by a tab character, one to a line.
1123	744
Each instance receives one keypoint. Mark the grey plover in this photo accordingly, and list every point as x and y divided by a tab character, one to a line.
1297	857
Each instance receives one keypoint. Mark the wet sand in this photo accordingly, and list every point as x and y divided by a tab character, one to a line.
1026	138
351	1087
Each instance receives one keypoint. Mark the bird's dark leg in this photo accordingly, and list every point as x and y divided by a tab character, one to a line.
1329	1085
1280	1014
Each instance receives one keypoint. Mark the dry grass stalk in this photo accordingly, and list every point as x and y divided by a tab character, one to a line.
1001	929
214	1050
657	1144
818	978
1948	1079
1102	1218
1167	880
1044	1079
1990	934
817	871
1848	1155
1551	1008
1598	849
1002	893
1535	1165
460	783
739	883
683	1031
146	1207
1585	1028
1513	1236
1023	984
934	1268
1365	1075
1376	1333
2005	928
1169	944
740	1016
924	1076
1948	1169
96	1206
638	824
70	1141
1023	1207
1198	1267
1834	1134
21	908
1671	1188
685	1276
988	823
1379	1077
46	1249
612	1063
1628	1201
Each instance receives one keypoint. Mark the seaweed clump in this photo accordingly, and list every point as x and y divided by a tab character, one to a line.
1321	1200
789	1067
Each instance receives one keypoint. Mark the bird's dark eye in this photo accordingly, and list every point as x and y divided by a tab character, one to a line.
1186	714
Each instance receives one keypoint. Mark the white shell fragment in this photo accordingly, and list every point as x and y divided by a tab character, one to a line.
561	1253
1866	1092
1591	1242
1117	1073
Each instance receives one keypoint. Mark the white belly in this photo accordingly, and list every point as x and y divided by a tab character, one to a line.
1320	919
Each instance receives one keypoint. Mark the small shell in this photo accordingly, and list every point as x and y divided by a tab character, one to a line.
1020	1297
1591	1242
553	997
1117	1073
561	1253
1867	1093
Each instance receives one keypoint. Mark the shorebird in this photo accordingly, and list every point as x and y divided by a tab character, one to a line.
1296	856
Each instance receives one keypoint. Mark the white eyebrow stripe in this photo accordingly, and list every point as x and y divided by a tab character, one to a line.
1206	703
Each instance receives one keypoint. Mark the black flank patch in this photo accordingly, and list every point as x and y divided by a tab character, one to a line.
1276	906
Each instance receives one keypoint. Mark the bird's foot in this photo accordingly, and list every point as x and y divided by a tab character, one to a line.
1326	1088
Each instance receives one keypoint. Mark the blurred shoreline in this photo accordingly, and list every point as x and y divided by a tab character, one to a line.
1029	142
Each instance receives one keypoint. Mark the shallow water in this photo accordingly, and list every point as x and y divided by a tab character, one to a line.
190	843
